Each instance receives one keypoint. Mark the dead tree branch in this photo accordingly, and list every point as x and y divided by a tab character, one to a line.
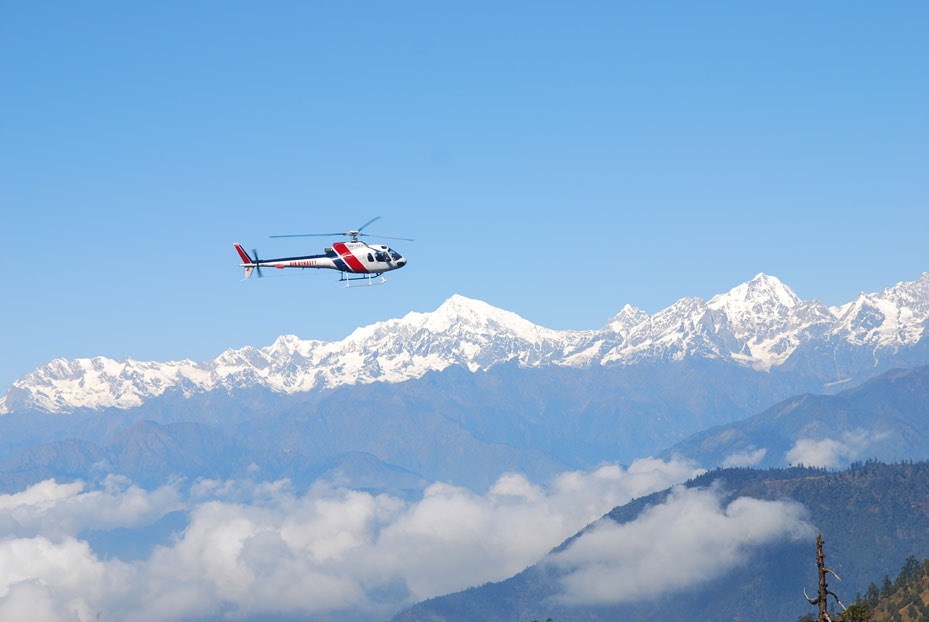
824	592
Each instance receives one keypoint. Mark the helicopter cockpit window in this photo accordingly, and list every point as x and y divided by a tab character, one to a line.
395	255
380	256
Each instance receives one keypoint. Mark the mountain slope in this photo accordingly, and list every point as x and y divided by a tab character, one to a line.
906	599
150	454
885	418
455	426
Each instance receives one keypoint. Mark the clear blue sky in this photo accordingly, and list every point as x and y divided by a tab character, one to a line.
555	159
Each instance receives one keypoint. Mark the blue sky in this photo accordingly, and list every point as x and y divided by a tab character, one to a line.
559	160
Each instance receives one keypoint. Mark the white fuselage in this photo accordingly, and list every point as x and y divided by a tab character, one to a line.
351	257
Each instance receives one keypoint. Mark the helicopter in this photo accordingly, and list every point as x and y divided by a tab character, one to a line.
355	260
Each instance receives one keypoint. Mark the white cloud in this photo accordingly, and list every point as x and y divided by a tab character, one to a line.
30	600
64	577
43	494
687	540
830	452
746	458
55	510
259	548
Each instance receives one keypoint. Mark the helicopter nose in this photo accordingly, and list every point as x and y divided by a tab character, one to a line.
401	262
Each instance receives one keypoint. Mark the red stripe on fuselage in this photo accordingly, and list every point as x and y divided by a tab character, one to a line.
350	260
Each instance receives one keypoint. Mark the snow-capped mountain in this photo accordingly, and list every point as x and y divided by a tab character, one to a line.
759	324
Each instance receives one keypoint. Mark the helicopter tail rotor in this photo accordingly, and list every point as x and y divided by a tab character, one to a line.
257	263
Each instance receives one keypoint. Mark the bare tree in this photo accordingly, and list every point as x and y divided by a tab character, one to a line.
824	592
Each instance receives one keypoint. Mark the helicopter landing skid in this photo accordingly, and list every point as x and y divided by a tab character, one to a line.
365	281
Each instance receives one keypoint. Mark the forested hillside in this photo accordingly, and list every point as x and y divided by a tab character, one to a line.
906	599
873	516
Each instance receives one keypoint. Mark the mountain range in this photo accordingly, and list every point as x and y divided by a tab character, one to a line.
760	325
469	391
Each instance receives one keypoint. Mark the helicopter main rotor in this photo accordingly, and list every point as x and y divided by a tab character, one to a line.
354	234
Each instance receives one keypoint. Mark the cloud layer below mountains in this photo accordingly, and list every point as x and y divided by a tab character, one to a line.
687	540
259	548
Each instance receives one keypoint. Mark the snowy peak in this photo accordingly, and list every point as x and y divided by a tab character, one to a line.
458	320
456	314
627	319
768	319
896	316
462	331
459	311
462	307
63	385
758	308
760	295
